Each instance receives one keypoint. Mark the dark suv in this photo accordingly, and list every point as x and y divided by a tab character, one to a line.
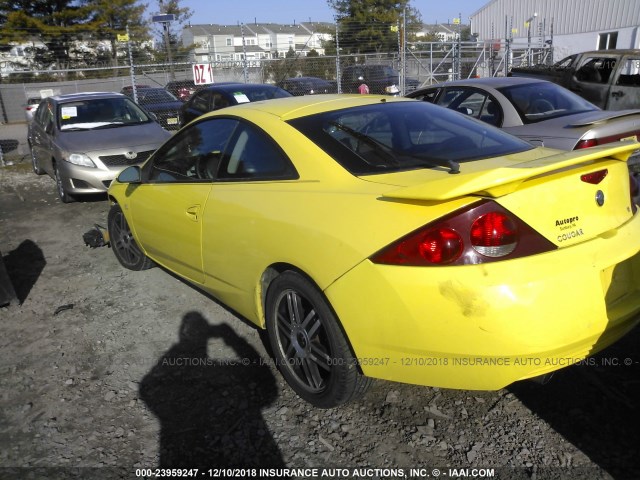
381	79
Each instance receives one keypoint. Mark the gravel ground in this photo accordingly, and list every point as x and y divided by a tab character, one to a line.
104	371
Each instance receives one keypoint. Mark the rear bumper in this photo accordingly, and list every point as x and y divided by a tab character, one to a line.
486	326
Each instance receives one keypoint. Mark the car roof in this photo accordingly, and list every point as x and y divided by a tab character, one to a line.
230	86
294	107
493	82
67	97
305	79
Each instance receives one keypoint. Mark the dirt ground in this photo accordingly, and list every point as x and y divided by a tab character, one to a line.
105	371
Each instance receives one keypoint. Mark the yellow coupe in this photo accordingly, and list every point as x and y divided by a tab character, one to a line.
378	237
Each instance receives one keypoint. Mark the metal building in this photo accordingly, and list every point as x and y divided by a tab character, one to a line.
568	26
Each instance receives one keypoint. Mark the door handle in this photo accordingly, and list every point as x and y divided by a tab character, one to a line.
617	94
194	213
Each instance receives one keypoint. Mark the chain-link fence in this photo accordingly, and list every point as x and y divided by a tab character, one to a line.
395	72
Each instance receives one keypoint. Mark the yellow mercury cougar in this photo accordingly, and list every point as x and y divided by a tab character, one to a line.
378	237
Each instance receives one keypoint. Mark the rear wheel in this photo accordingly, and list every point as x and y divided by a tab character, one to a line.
309	347
123	244
65	197
34	163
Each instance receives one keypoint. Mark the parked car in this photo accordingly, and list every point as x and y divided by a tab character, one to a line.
222	95
83	140
537	111
128	90
30	107
384	237
610	79
307	86
381	79
163	105
182	89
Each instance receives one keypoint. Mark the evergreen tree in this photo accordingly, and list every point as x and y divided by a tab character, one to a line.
57	24
367	26
110	18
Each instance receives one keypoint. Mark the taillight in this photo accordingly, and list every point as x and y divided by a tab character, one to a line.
592	142
594	178
494	235
480	233
436	246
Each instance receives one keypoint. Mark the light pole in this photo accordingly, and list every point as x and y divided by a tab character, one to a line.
165	19
528	25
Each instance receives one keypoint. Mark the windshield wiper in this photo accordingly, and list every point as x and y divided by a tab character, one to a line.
454	167
378	147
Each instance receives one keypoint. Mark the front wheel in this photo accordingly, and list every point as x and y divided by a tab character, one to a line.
123	244
65	197
309	347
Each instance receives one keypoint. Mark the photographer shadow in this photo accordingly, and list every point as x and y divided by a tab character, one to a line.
210	409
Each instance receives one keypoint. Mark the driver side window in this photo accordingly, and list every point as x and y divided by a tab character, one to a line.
194	154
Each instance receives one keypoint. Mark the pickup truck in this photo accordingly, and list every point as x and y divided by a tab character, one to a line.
609	79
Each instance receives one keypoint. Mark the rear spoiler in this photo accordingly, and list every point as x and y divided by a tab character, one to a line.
611	116
501	181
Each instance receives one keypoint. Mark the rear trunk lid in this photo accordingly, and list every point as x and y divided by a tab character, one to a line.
568	197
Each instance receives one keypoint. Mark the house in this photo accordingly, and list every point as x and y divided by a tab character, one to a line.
444	32
223	43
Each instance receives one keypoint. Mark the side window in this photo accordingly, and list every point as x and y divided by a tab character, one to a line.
219	101
201	101
596	70
46	116
491	112
428	96
629	73
450	95
41	112
472	105
193	155
252	155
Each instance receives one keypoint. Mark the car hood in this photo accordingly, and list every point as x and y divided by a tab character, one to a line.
149	135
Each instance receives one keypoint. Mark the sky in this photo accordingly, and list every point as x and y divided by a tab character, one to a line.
287	11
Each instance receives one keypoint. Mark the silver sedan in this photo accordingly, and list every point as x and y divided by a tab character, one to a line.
83	140
538	111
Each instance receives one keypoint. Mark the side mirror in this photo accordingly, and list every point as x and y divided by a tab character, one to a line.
130	175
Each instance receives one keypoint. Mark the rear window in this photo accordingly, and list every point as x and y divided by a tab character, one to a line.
397	136
536	102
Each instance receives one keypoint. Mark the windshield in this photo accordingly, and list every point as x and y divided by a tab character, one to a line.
100	113
156	95
535	102
396	136
256	94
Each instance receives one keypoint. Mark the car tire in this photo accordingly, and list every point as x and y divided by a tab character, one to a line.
65	197
123	244
308	345
34	163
